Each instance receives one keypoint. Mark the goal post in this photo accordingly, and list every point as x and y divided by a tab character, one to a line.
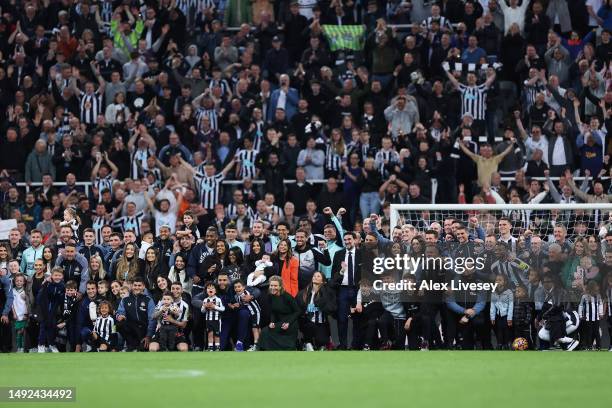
539	218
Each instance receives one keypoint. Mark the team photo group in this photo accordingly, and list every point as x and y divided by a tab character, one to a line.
212	175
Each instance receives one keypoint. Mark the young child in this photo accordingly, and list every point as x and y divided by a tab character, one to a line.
104	332
146	243
49	299
590	311
72	220
69	315
254	310
124	292
190	226
103	291
502	308
21	310
523	316
165	311
366	313
212	308
257	277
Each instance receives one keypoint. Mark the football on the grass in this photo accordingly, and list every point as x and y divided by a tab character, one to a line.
520	343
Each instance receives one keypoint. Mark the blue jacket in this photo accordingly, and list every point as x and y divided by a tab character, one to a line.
139	308
290	104
82	318
6	295
50	296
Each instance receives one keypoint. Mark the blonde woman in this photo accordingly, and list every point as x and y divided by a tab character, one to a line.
96	268
281	333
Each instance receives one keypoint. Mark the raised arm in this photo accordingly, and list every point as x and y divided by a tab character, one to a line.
467	151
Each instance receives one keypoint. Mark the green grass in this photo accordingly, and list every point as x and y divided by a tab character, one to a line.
320	379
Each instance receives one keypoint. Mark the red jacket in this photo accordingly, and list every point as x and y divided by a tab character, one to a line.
289	274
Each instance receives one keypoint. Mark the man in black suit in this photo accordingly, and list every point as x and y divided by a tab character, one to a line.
346	273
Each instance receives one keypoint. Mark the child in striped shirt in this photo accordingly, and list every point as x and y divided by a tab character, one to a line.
165	313
104	331
243	299
212	308
590	311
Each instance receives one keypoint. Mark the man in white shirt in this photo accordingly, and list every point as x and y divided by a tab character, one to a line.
514	14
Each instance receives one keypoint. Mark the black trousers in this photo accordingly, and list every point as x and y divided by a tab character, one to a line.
502	331
420	327
6	337
133	333
315	333
431	310
475	329
392	329
590	333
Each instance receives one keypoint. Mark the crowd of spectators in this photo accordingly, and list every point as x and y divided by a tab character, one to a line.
203	174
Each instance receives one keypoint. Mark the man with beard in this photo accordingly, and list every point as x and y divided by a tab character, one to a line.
508	265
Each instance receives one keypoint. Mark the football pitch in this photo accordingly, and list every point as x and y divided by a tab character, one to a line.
327	379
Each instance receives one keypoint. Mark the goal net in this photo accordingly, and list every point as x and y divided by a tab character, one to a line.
536	219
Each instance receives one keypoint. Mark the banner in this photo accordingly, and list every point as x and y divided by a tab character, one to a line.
344	37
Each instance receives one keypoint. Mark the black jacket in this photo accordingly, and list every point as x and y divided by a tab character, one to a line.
337	277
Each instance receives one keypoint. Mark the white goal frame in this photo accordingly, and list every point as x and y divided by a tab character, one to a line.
396	208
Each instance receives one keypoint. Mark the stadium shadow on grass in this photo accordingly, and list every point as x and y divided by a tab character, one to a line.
339	379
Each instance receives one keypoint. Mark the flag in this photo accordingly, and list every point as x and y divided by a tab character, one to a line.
344	37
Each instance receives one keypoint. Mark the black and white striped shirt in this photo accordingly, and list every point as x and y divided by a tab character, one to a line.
222	83
232	212
252	306
390	156
473	100
211	114
513	272
590	308
209	189
104	326
333	159
139	161
213	314
258	135
609	301
530	92
247	163
443	21
127	223
183	310
91	107
97	224
104	183
276	210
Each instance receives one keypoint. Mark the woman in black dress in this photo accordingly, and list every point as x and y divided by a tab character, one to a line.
281	333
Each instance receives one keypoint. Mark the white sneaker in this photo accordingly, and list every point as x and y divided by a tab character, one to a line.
309	347
42	349
87	348
253	348
53	349
572	345
20	350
